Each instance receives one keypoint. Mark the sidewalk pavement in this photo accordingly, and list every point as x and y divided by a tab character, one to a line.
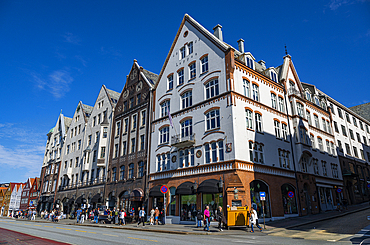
288	223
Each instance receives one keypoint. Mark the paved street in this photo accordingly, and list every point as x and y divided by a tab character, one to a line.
76	234
350	227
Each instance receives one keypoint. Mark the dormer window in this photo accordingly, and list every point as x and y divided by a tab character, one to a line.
249	62
308	95
317	102
273	76
323	105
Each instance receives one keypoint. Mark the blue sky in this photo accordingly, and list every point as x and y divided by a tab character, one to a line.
54	54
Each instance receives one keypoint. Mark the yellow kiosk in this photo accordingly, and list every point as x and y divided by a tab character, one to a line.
238	216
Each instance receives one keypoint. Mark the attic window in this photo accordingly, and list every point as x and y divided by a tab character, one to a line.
186	34
308	95
249	62
273	76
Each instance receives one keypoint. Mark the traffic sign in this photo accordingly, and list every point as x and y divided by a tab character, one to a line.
368	185
164	189
291	194
263	196
339	190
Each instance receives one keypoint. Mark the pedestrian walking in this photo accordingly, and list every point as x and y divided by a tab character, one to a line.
254	219
96	215
220	216
78	214
152	216
141	216
122	217
199	218
156	215
33	215
83	216
206	218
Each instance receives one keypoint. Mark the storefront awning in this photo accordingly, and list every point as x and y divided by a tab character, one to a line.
185	189
156	191
209	186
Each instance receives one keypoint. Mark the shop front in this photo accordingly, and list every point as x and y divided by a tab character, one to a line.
212	196
188	201
325	197
257	186
289	200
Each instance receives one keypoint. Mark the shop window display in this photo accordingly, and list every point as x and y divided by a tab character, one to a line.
213	201
256	187
188	207
289	199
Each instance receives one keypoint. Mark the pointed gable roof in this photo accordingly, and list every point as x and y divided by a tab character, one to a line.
187	18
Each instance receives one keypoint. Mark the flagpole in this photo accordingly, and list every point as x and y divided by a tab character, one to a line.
170	118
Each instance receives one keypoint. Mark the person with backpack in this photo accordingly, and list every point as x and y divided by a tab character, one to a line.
199	218
141	216
116	216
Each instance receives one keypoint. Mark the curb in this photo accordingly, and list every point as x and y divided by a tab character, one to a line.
327	218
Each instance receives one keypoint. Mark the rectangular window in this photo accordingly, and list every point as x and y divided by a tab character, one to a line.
165	108
132	102
351	134
186	99
89	140
125	126
180	77
138	99
116	150
213	119
142	142
134	122
361	125
214	152
323	124
221	150
133	142
190	48
362	154
105	132
273	101
354	121
204	62
124	148
355	151
207	153
102	152
332	148
258	122
324	169
79	145
340	113
255	91
170	82
308	114
249	119
212	89
281	104
277	129
328	150
365	141
347	117
344	131
358	137
340	148
316	118
319	140
143	118
164	135
192	70
348	150
300	110
182	53
118	128
336	127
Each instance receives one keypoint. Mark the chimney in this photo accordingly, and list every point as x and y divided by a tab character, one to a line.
217	31
262	63
241	45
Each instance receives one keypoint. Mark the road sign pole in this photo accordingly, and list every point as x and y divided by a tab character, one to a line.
164	202
263	211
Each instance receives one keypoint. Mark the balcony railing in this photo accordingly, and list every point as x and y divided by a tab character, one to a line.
82	184
185	141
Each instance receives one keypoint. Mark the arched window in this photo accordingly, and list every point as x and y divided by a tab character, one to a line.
273	101
212	89
255	90
258	121
213	119
114	174
289	199
246	88
249	119
257	186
